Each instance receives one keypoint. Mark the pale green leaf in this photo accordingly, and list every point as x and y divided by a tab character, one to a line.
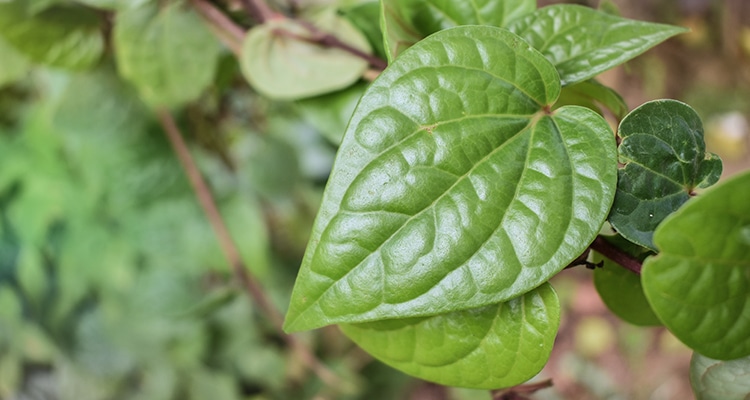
665	159
405	22
167	53
280	61
492	347
720	380
699	283
14	65
64	36
582	42
454	186
330	113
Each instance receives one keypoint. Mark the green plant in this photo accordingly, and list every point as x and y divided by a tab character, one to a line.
474	163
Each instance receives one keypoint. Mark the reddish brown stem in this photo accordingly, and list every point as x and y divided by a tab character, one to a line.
232	254
259	10
227	31
616	254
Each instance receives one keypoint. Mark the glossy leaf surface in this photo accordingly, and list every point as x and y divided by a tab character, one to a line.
280	64
491	347
406	22
720	380
454	187
168	53
582	42
665	159
621	289
699	283
60	36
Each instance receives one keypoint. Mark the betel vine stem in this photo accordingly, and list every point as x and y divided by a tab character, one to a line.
231	253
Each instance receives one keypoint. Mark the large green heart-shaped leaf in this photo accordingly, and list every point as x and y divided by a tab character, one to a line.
492	347
582	42
405	22
699	283
167	52
454	187
665	159
280	63
63	36
720	380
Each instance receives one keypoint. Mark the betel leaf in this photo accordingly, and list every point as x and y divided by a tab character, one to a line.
593	94
405	22
63	36
166	52
281	62
366	17
720	380
665	159
14	65
699	283
495	346
330	113
621	289
454	187
582	42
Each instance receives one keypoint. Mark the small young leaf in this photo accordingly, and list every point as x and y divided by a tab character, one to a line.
582	42
281	64
496	346
64	36
168	53
454	187
720	380
665	158
621	290
591	94
699	283
406	22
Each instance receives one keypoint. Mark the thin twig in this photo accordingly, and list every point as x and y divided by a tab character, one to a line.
328	40
232	254
259	10
616	254
228	32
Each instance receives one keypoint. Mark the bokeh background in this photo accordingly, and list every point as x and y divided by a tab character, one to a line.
113	286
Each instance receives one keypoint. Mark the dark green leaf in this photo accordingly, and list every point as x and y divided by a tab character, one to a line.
591	94
64	36
281	64
491	347
621	289
454	186
168	53
582	42
720	380
665	159
406	22
699	283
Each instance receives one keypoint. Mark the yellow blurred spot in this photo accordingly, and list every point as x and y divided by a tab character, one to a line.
727	136
745	40
594	336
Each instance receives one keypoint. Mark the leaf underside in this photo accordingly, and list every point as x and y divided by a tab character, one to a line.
720	380
699	283
491	347
454	188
